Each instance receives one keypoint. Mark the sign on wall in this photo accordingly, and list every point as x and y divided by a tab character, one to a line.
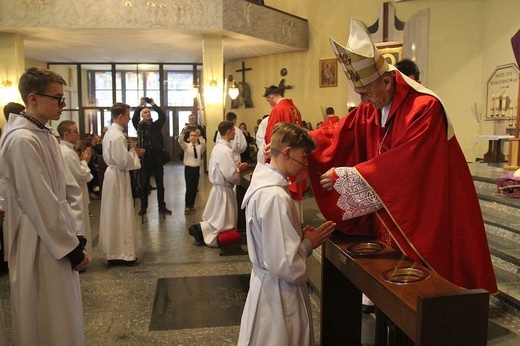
502	93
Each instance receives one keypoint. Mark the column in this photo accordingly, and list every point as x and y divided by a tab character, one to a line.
12	66
213	85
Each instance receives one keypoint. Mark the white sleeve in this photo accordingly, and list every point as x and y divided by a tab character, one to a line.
240	141
356	197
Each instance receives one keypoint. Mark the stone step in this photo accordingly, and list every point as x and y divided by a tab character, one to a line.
508	285
502	222
500	216
506	249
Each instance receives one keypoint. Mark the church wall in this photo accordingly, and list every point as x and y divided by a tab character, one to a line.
467	40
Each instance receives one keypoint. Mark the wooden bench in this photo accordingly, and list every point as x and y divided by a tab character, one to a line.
230	243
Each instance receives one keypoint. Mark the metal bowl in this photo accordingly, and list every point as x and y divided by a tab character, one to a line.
404	275
365	248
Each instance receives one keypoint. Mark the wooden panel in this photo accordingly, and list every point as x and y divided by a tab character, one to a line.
418	309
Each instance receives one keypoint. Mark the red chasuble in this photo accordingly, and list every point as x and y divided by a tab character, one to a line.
330	120
286	111
430	209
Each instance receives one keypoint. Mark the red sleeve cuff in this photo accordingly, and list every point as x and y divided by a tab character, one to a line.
334	176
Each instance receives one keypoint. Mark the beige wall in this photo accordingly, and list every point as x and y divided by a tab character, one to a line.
467	40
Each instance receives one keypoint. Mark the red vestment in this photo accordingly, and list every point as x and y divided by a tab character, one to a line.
286	111
430	209
330	120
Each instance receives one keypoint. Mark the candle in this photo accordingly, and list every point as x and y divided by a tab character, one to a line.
492	110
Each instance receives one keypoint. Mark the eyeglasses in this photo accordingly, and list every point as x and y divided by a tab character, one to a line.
61	99
298	161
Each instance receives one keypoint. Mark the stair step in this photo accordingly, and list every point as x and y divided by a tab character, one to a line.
499	216
509	286
505	249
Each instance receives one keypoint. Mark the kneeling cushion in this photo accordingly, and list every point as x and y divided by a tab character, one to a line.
229	237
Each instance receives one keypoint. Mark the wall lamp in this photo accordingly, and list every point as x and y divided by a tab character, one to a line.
232	90
6	83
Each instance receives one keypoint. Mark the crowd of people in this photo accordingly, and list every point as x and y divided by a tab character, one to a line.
367	188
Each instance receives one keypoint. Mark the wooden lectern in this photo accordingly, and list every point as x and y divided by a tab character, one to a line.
514	154
428	310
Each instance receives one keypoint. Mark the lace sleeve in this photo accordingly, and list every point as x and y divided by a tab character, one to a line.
356	198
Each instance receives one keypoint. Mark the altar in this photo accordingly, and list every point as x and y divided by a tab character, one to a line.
494	153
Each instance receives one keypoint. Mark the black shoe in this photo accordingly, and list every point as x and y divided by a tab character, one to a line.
368	309
142	212
196	232
153	187
165	210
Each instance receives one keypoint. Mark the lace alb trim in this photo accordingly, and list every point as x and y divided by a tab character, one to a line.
356	198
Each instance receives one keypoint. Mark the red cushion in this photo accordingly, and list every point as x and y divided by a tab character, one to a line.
227	237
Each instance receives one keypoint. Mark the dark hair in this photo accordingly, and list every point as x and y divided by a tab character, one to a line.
117	109
329	111
230	116
224	126
36	80
408	68
12	107
272	90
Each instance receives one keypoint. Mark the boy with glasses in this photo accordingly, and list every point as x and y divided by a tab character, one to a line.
277	309
44	218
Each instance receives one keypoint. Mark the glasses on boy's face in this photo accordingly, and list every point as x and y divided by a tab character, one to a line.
61	99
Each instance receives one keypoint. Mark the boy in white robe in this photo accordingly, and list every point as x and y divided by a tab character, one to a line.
221	211
68	131
43	218
117	228
277	309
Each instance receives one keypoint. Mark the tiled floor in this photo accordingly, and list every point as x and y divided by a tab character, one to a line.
118	301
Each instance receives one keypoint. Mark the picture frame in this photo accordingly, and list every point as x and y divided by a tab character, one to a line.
328	70
391	51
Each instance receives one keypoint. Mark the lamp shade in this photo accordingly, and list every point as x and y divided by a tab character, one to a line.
233	92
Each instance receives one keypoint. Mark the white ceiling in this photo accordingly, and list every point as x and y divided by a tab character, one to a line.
134	45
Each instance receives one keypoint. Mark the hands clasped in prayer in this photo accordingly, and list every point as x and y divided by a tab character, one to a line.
319	235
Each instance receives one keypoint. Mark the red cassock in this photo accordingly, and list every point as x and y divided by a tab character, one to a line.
286	111
330	120
430	209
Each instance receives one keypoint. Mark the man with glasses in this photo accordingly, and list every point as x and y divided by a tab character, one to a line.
395	170
44	216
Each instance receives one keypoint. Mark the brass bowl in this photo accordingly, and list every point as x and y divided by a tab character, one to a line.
365	248
404	275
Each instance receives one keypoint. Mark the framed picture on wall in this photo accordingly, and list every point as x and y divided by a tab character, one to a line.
328	73
392	51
